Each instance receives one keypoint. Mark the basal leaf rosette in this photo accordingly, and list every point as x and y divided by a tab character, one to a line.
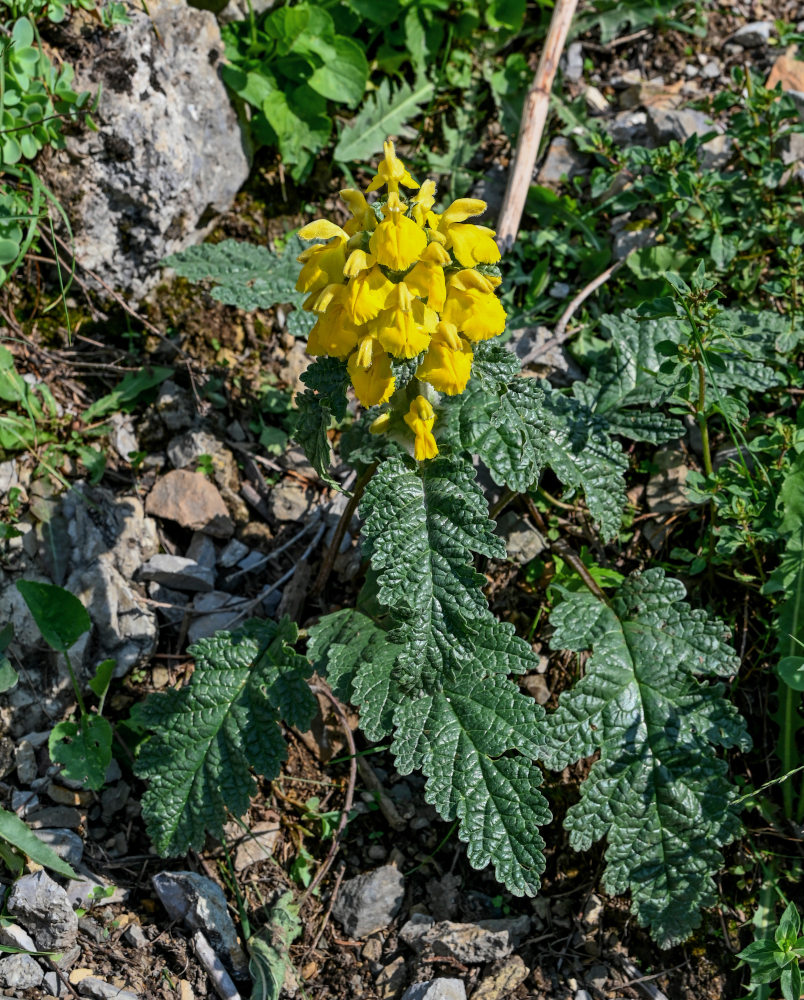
400	283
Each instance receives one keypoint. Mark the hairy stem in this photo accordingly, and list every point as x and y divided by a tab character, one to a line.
340	530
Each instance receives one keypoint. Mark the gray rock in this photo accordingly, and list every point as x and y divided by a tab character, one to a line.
559	290
99	989
522	541
135	936
174	603
25	760
15	937
148	181
114	798
178	573
214	612
484	941
23	801
582	995
90	890
202	550
597	977
665	124
8	476
574	62
191	500
54	986
232	553
257	845
562	162
43	909
533	346
753	34
391	979
369	902
20	972
68	845
626	237
436	989
288	501
124	440
185	450
201	905
502	980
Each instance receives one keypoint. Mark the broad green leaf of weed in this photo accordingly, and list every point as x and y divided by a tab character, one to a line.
60	616
83	749
18	835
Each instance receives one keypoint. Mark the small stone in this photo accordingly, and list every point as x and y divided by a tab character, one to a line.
592	911
563	162
23	801
54	986
595	101
665	490
369	902
43	909
597	977
186	449
254	560
753	34
178	573
537	688
484	941
501	982
90	890
574	62
113	799
258	845
582	995
391	979
201	905
135	936
64	796
711	70
100	989
213	612
289	501
68	845
233	552
54	816
124	440
25	760
522	541
436	989
14	936
202	550
174	406
20	972
559	290
190	499
173	602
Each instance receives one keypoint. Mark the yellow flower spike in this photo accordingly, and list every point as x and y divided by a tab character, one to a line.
397	242
435	253
373	385
332	294
363	216
358	261
426	280
391	172
323	265
473	244
322	229
420	418
381	424
447	366
367	293
423	202
477	315
461	210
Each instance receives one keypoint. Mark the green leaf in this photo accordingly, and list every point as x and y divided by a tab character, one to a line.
344	78
385	112
791	981
507	430
60	616
269	948
245	275
329	378
209	735
421	528
657	783
789	926
16	833
99	684
126	395
84	750
310	425
580	451
8	675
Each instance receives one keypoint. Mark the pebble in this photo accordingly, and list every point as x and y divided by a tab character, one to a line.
233	552
25	760
574	62
20	972
369	902
52	817
201	905
484	941
67	844
592	911
522	541
178	573
501	982
562	162
202	550
753	34
436	989
391	979
190	499
135	936
665	490
164	595
23	801
289	501
14	936
99	989
214	612
44	910
187	448
174	406
258	845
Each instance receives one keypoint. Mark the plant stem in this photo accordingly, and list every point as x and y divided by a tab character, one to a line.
562	549
701	415
78	696
340	530
502	503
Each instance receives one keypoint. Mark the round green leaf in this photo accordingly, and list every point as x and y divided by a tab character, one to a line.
61	617
22	34
791	670
344	79
8	251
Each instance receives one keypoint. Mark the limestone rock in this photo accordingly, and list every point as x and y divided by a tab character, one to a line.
191	500
168	153
369	902
178	573
484	941
436	989
20	972
44	911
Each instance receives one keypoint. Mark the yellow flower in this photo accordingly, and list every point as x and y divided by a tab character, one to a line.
373	385
420	418
358	261
363	217
322	229
426	279
471	244
397	242
381	424
423	202
323	265
473	307
404	329
391	172
367	293
447	365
